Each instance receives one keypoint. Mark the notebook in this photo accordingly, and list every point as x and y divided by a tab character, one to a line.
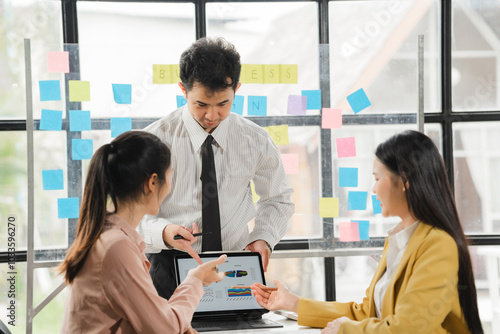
224	306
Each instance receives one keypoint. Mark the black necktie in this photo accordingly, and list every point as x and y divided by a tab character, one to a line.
210	200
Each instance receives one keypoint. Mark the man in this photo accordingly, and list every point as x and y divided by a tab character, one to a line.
220	201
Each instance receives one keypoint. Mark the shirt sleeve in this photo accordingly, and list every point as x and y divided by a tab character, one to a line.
151	228
127	286
274	208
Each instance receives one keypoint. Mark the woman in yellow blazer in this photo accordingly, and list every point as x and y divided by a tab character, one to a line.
424	281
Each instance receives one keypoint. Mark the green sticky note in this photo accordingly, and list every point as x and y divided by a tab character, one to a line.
328	207
271	74
161	74
79	90
279	134
254	74
175	73
289	74
243	73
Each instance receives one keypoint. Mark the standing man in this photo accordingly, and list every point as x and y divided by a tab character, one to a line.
215	155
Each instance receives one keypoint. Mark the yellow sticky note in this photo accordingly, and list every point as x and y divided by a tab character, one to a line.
289	74
254	74
243	73
254	194
175	73
328	207
279	134
79	90
161	74
271	74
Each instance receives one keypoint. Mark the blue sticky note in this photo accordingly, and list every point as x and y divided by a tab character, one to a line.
313	99
52	179
238	104
364	229
348	177
376	205
82	149
180	100
51	120
257	105
358	100
297	105
122	93
68	207
356	200
120	125
50	90
79	120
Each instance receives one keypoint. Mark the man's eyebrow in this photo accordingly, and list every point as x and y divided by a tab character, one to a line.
200	102
223	101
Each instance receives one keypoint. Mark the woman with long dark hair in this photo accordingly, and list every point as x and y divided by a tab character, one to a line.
424	281
110	289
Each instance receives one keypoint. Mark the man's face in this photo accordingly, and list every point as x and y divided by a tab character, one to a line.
209	108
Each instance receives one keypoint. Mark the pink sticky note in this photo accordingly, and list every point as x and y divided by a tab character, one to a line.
290	163
58	61
331	118
346	147
348	231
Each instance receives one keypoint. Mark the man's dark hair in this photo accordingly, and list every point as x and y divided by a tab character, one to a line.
210	62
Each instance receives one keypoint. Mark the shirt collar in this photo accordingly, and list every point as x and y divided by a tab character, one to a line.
197	134
130	232
402	235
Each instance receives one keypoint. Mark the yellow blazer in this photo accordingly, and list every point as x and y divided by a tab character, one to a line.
422	295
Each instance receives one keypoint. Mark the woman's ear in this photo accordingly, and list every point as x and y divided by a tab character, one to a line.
152	182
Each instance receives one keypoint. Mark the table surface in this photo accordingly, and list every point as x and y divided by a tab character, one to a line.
289	326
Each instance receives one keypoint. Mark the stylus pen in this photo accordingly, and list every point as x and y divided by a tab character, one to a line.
178	236
266	288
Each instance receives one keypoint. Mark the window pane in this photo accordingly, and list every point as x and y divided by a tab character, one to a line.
120	43
477	161
271	33
475	45
374	46
37	20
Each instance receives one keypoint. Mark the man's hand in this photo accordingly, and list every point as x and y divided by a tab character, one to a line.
261	247
182	244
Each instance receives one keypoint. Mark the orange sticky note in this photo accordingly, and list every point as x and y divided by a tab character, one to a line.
58	61
331	118
290	163
348	231
328	207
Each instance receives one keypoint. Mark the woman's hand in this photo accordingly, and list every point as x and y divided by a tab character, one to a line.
333	326
170	231
281	299
209	271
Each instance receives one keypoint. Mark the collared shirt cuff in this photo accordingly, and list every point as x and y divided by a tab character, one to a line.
157	234
254	236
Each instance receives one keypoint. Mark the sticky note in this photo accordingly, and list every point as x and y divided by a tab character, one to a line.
161	74
356	200
348	177
68	207
50	90
79	120
289	74
254	74
313	99
331	118
175	73
279	134
237	107
328	207
243	73
358	100
348	231
51	120
52	179
255	197
122	93
376	205
79	90
81	149
364	229
346	147
271	74
297	105
181	100
257	105
290	163
120	125
58	61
